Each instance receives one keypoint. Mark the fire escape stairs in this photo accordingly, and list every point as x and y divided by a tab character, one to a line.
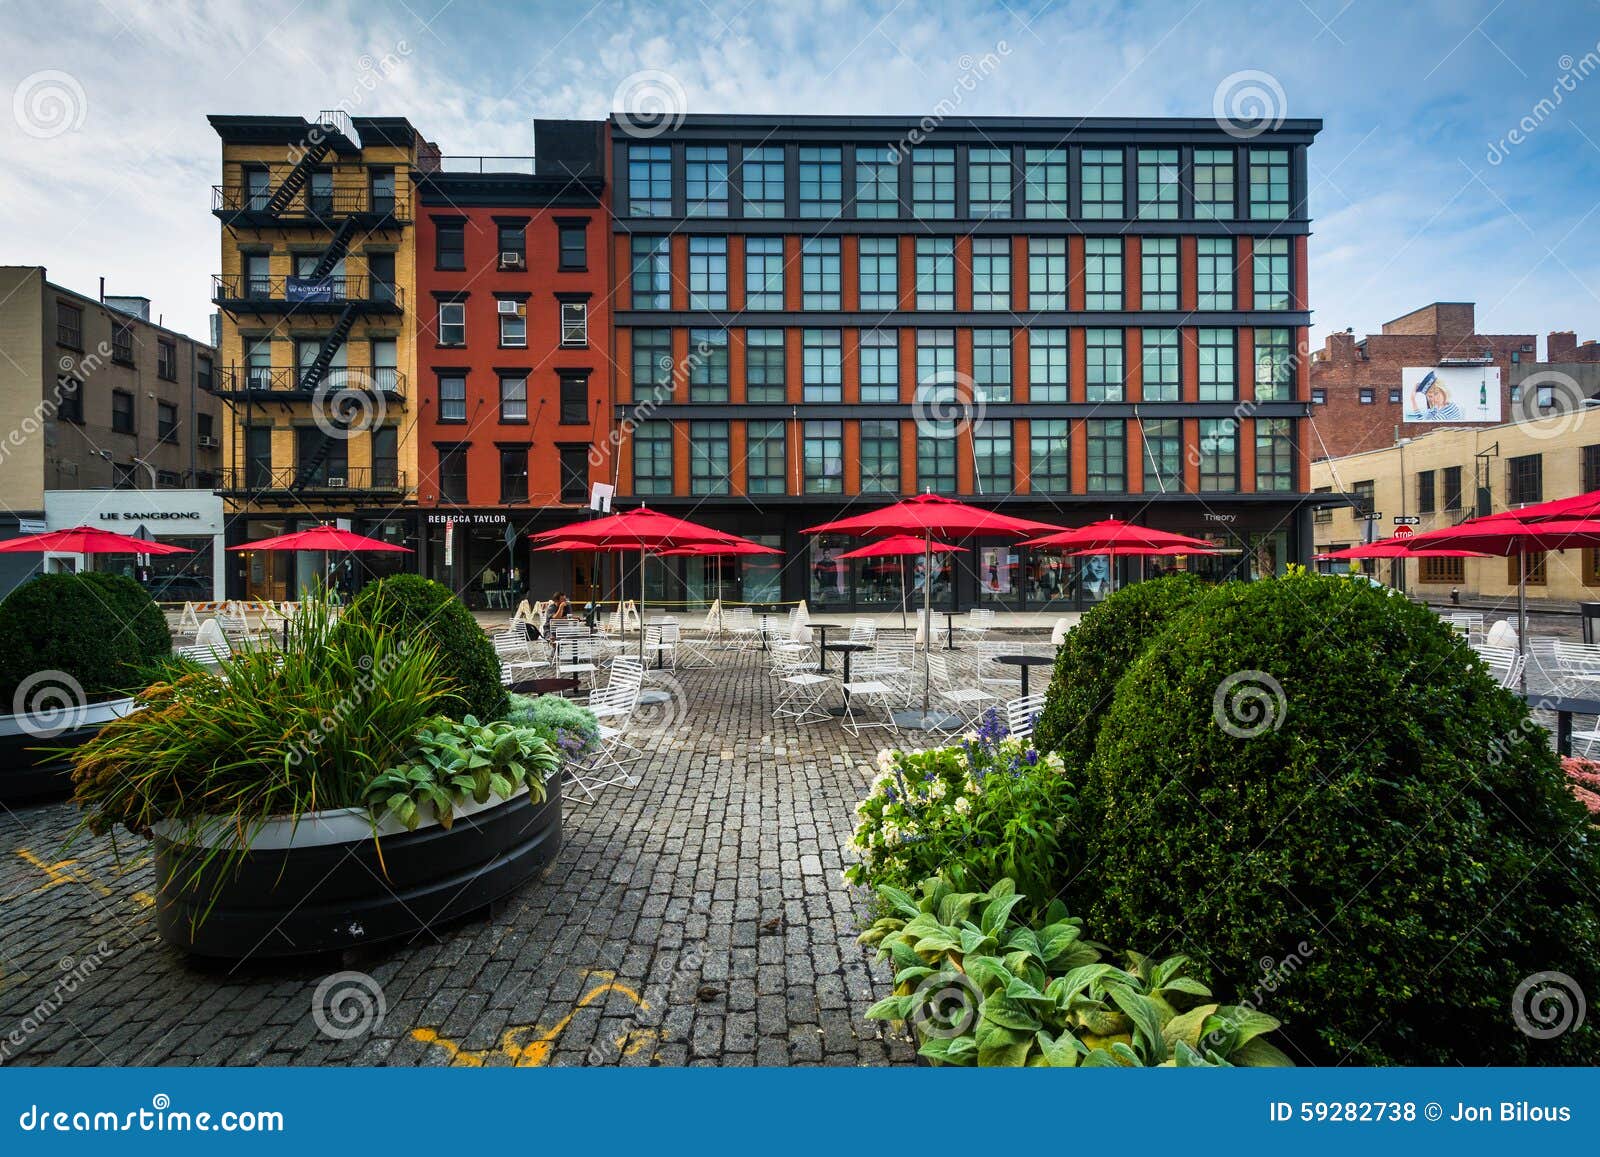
318	368
336	250
298	176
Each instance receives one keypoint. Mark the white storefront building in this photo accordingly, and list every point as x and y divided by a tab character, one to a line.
186	518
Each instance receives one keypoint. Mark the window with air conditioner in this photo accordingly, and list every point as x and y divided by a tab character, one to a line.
513	324
574	323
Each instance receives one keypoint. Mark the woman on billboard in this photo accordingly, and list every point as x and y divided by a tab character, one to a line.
1435	403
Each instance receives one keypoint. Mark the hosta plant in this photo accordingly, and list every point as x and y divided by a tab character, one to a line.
451	761
978	987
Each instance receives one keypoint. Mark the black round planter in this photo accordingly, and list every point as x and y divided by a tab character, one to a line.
29	773
326	884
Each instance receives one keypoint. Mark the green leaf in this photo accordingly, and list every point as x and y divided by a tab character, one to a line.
1010	1014
890	1008
1062	1052
1260	1053
1187	1027
996	912
1146	1017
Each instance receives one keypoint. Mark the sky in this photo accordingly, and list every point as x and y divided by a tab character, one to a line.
1459	159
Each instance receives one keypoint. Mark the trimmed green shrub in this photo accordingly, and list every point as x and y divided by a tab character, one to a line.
423	610
1314	789
102	630
1097	652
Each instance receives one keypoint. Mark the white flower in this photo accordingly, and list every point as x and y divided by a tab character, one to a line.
963	805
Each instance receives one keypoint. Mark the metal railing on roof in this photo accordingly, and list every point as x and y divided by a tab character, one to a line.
486	164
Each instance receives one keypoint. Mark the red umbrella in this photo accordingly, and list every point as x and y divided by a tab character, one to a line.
1100	537
1395	548
87	540
322	538
901	546
1578	506
718	549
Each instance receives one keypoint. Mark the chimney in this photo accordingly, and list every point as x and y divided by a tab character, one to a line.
1561	345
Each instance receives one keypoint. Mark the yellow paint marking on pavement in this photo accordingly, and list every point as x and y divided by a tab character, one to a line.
72	872
531	1044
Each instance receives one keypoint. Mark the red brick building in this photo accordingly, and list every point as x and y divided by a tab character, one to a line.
513	358
1356	391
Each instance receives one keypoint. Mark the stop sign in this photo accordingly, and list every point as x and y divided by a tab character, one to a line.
1403	532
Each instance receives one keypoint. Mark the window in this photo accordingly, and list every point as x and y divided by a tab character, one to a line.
1394	397
1049	456
574	462
991	457
708	365
386	456
823	458
166	359
819	273
709	455
1452	488
1162	381
1219	375
762	181
166	422
1443	570
1213	184
452	397
705	177
574	399
1534	569
1102	272
936	457
1047	273
933	182
1322	514
880	365
651	278
320	457
573	241
1365	396
652	458
1219	454
708	272
257	187
877	182
1275	455
380	190
1103	372
1044	183
764	365
122	345
1589	469
69	400
1516	393
1215	272
69	325
450	245
258	457
991	273
879	273
1274	365
1102	184
1158	272
1319	397
763	273
821	366
766	469
513	326
1269	184
652	364
511	244
880	457
1163	455
513	397
453	474
989	182
936	366
650	181
1047	365
122	412
1525	479
820	181
1270	260
936	273
1425	492
203	373
991	365
258	362
1158	184
452	323
319	194
1107	455
513	474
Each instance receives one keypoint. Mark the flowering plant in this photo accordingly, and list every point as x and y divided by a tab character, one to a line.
986	808
1583	775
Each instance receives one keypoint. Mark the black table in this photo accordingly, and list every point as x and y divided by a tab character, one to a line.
1565	707
822	630
1024	661
949	630
846	649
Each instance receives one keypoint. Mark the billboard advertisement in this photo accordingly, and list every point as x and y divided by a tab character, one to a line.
1450	393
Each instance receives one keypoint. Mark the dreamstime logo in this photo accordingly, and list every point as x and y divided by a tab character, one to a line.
348	1004
1248	704
49	703
1549	405
1573	73
649	103
1249	103
944	407
945	1005
1547	1004
49	103
342	411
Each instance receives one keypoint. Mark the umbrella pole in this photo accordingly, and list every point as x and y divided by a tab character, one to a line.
902	593
927	620
1522	618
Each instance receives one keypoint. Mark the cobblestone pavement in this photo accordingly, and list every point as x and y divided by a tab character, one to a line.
710	893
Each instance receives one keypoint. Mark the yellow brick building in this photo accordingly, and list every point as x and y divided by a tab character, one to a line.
317	359
1447	475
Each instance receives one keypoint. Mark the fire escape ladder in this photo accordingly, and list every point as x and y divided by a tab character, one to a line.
318	369
336	250
298	176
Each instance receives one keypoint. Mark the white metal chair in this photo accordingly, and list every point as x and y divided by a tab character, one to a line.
575	657
979	621
863	630
613	705
964	700
1021	713
1503	663
802	686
